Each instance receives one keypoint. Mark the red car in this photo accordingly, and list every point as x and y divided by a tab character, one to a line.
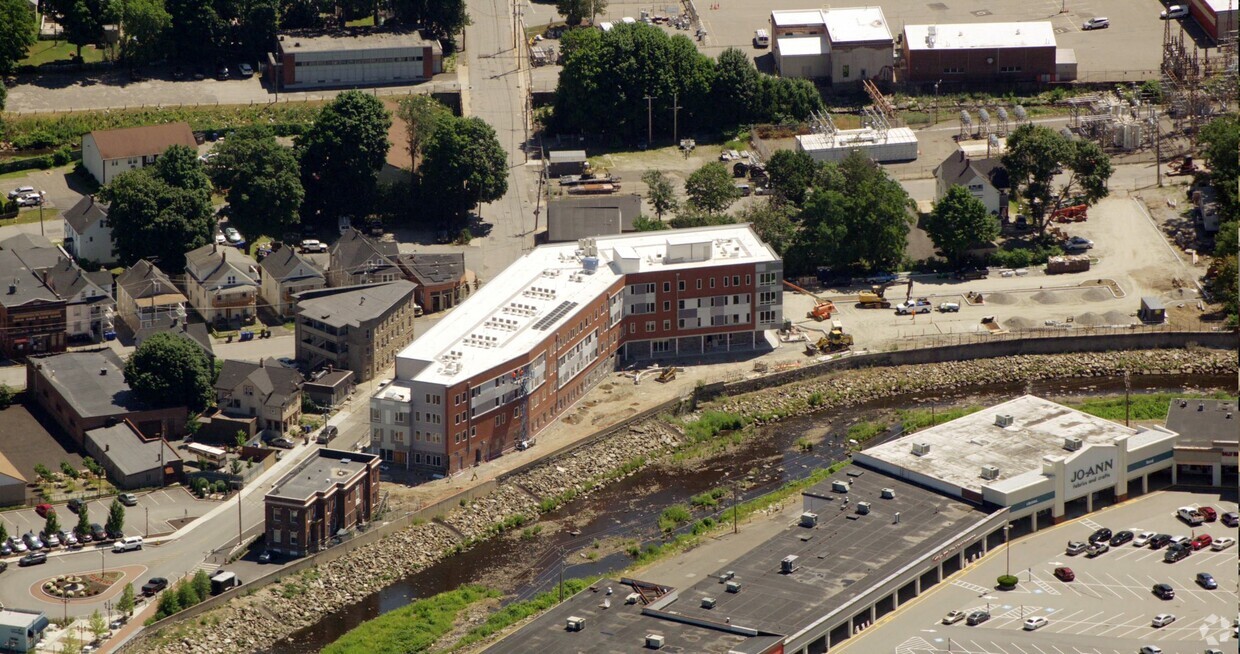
1201	542
1207	513
43	510
1065	574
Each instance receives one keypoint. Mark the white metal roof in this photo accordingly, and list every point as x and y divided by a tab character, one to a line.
801	46
857	24
965	36
529	300
1220	6
855	138
798	17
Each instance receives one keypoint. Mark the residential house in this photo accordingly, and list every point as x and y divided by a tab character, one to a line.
285	273
443	282
89	307
32	316
146	297
81	391
330	492
357	328
131	459
110	152
986	179
195	332
266	391
222	284
329	388
356	259
88	234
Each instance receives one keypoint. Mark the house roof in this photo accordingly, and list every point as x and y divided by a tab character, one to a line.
211	265
332	379
274	382
19	285
194	332
85	213
956	168
148	285
352	306
322	473
128	450
280	264
92	383
68	281
439	268
142	141
1202	423
355	253
358	39
37	252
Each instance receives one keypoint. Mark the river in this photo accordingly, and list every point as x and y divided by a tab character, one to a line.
627	511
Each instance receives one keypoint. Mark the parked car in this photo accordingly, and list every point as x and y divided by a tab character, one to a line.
329	432
233	236
68	538
1231	519
1223	543
6	548
20	191
245	70
1100	547
128	499
18	545
51	540
1142	539
1190	516
283	443
114	534
4	565
127	544
1096	23
1034	623
977	617
97	532
1176	553
1075	547
1179	540
265	557
1151	649
1206	581
75	505
1078	243
1208	513
953	617
313	245
1162	620
1164	591
1065	574
1173	12
1160	541
1101	534
32	200
43	510
154	585
288	362
920	305
1201	542
1121	537
32	541
221	72
34	558
881	278
949	307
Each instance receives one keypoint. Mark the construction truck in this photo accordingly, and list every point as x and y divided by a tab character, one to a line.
874	298
823	308
833	341
668	374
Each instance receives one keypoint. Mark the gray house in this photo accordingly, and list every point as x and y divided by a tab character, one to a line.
131	459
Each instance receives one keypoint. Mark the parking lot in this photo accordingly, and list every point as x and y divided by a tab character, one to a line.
157	513
1107	609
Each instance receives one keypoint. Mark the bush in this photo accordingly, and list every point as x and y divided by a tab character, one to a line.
673	516
1008	581
412	628
711	423
62	155
710	498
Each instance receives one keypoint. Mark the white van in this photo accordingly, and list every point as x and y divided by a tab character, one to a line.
761	39
128	543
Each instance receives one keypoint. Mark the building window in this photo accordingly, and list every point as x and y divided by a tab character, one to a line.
1009	69
953	69
845	70
699	285
667	287
736	280
275	536
292	538
667	325
725	282
649	326
680	285
766	279
667	305
766	297
376	415
660	347
766	317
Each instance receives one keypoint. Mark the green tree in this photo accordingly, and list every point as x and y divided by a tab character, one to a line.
465	165
1221	281
81	20
127	601
661	193
341	156
6	397
42	472
169	604
734	89
421	114
710	188
1220	141
958	221
257	29
17	34
783	99
167	370
83	523
187	594
262	184
644	224
197	29
98	626
791	175
144	29
440	18
691	216
4	533
161	211
68	470
202	584
51	524
772	222
70	643
577	11
1034	154
116	516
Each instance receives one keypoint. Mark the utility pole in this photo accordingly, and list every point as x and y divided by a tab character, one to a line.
238	517
676	118
936	101
649	120
561	574
735	517
1157	148
1127	404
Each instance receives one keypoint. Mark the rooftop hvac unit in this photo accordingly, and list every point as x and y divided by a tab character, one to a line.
789	564
733	586
708	602
990	472
1003	420
575	623
654	641
1072	443
921	449
863	508
632	598
809	519
839	486
888	494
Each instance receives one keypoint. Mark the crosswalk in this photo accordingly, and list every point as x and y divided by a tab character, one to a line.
206	567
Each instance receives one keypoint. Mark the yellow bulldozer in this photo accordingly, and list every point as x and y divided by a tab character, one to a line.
833	341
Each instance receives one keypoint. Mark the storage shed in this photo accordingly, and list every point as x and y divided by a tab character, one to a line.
566	162
1152	310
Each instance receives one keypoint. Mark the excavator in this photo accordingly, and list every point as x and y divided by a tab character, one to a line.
833	341
874	298
822	308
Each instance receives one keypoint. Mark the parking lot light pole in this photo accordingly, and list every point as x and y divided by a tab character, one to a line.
1007	546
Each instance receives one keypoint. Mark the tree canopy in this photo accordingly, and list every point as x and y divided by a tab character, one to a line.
958	221
773	223
576	11
161	211
81	20
465	165
661	193
169	370
341	155
791	174
1034	156
441	18
1220	140
262	181
710	188
17	34
421	115
144	29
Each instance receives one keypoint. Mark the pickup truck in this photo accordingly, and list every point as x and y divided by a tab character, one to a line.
920	305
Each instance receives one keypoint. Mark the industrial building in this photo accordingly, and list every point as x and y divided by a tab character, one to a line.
526	347
1029	455
881	144
984	52
845	45
21	629
573	218
1208	441
353	58
1216	17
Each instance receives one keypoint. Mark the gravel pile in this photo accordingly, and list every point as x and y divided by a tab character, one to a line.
1090	319
1047	297
1096	295
1019	323
1001	298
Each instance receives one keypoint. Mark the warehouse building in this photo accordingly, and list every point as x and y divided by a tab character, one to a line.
984	52
354	58
1216	17
526	347
881	145
573	218
1029	455
1208	440
845	45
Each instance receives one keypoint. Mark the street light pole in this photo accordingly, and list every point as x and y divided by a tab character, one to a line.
936	101
1007	546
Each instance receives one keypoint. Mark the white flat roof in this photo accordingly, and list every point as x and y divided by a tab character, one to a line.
964	36
801	46
542	290
857	24
797	17
1220	6
855	138
959	449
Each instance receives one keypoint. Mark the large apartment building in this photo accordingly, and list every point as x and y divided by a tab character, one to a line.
526	347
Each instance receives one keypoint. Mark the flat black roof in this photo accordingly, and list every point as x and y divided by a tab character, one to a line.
1201	422
844	556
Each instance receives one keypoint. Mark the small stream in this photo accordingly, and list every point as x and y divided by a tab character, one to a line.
629	509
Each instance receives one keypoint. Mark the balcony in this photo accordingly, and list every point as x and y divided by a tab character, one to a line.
232	301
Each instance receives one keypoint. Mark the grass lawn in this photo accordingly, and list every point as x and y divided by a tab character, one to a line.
31	215
43	52
368	21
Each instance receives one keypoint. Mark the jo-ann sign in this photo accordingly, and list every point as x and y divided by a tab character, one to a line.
1092	468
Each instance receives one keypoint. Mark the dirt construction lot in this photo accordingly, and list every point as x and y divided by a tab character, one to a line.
1107	609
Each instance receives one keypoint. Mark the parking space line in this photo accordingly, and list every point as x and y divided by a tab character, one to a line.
1127	588
999	647
1112	628
1022	650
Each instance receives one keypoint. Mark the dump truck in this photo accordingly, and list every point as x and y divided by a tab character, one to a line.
823	308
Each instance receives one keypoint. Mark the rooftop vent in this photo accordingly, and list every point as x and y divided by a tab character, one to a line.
654	641
863	508
921	449
789	564
990	472
1003	420
888	494
708	602
345	462
809	519
103	371
1201	406
575	623
1072	443
733	586
632	598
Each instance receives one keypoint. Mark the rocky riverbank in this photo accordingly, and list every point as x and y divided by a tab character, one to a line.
252	623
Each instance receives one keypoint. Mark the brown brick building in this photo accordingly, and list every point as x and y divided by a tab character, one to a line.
333	490
980	52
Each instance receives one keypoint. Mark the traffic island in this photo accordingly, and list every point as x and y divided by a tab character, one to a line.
80	586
